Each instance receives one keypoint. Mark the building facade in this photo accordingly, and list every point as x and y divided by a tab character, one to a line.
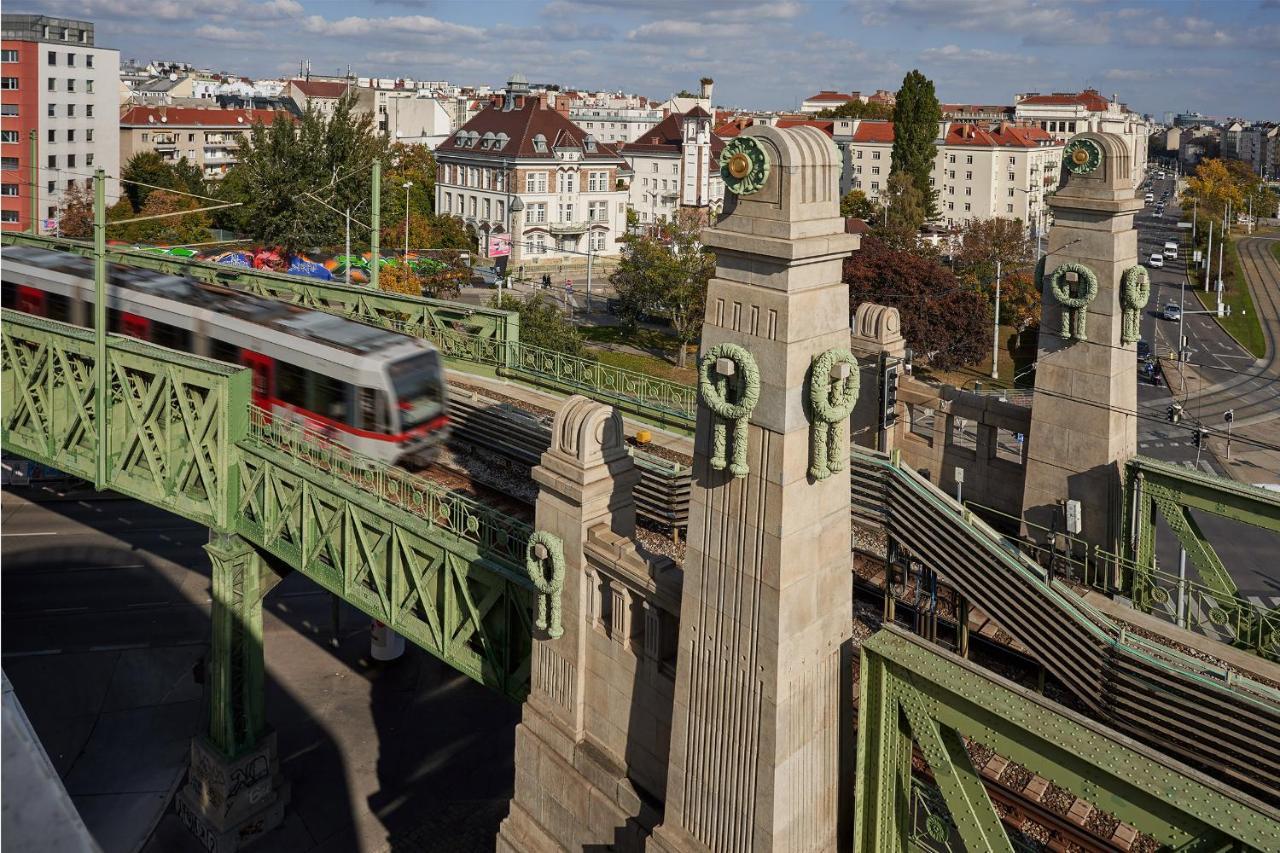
614	119
522	170
317	94
207	137
413	116
63	88
1005	172
1064	114
675	165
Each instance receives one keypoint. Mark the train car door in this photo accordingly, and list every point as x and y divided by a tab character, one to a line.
261	366
31	300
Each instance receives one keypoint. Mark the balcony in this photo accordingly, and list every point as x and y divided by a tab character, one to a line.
167	140
568	227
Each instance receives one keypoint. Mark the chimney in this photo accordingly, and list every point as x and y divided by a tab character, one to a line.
707	86
542	99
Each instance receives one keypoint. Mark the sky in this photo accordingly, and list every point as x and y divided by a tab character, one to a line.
1218	57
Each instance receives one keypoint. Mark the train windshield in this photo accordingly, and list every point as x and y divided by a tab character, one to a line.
418	384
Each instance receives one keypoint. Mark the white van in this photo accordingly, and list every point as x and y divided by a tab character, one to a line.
1150	197
1171	250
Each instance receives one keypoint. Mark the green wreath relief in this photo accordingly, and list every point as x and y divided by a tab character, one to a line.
1135	289
548	588
715	389
1074	308
832	401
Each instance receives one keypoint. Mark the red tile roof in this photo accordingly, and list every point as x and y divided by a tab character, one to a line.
666	137
730	129
1004	136
827	126
522	125
834	97
874	131
1089	99
197	117
320	88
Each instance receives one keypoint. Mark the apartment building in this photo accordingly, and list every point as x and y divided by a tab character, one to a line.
320	95
1064	114
675	165
613	119
59	85
521	169
1003	172
404	112
205	136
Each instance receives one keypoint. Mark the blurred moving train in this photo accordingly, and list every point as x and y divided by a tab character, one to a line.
379	393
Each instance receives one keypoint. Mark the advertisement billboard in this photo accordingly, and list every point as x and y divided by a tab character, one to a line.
499	245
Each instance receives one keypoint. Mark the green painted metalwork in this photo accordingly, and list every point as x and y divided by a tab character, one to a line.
237	719
485	337
444	570
909	688
172	420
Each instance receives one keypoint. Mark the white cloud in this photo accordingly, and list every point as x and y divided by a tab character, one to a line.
417	26
974	57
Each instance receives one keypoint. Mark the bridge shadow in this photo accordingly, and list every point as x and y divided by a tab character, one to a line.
415	757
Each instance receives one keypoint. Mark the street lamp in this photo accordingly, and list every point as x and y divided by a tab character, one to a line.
407	185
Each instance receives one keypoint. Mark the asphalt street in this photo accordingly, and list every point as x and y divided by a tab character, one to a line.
106	615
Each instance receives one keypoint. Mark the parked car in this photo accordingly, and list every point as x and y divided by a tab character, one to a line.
1149	198
1157	261
1172	311
1171	249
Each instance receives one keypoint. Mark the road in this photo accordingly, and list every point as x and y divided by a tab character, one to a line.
106	614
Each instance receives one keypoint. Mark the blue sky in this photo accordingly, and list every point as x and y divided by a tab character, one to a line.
1220	57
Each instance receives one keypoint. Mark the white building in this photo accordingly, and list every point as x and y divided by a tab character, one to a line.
1004	172
1064	114
613	118
674	165
521	169
60	84
412	115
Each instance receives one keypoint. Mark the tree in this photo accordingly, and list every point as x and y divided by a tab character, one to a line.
169	229
413	164
542	324
1212	188
898	223
859	109
985	241
855	203
1020	302
75	219
667	272
399	278
945	324
916	115
188	177
142	174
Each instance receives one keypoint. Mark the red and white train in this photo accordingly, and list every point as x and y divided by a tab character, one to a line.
380	393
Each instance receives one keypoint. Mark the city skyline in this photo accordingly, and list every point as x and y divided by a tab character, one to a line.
1208	57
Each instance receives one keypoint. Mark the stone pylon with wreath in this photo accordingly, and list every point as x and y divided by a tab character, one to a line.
766	609
1093	290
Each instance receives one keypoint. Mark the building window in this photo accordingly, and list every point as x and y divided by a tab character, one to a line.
535	182
951	190
875	170
53	83
448	197
952	174
1009	207
71	136
951	205
597	211
71	60
875	186
88	61
488	208
968	190
88	161
951	158
53	161
473	207
968	159
8	189
566	182
597	182
71	161
596	241
875	155
8	216
71	110
538	213
566	212
88	110
53	57
539	244
968	206
8	164
8	56
1010	192
88	135
71	85
88	86
859	153
1011	177
53	186
145	136
968	176
52	134
501	210
8	136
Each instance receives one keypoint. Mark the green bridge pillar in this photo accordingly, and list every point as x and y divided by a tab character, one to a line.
235	791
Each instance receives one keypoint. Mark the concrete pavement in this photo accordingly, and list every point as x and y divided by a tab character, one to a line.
106	616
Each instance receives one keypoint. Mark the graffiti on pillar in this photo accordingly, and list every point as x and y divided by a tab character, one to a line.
203	832
1075	305
833	391
1135	290
728	370
249	779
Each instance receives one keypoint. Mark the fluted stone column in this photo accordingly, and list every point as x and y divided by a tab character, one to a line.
1083	421
766	613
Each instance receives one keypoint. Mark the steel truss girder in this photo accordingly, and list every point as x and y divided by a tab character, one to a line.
910	688
172	419
438	590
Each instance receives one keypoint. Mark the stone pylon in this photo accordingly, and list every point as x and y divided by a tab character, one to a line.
766	609
1083	421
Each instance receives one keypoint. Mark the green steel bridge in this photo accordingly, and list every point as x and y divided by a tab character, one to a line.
454	576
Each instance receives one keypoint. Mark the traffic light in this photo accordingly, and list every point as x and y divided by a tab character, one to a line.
889	374
1198	438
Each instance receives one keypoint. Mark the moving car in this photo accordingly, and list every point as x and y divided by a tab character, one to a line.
1144	350
1171	249
1172	311
1157	260
1150	197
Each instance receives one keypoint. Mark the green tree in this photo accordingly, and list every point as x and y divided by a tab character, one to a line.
167	230
144	172
399	278
541	323
667	272
855	203
858	109
412	164
946	325
902	214
188	177
915	129
1212	188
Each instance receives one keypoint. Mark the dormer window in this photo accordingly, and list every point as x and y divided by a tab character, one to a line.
590	143
540	144
461	139
486	142
500	141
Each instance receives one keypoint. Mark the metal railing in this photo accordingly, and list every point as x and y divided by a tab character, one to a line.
493	532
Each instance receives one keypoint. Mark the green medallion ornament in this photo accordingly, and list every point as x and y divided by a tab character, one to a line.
1082	156
744	165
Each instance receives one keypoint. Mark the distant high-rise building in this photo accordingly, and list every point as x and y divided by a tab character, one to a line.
60	86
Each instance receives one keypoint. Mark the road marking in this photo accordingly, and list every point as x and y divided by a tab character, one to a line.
149	604
117	647
32	654
41	533
64	609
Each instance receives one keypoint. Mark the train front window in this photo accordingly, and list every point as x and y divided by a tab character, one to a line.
417	382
